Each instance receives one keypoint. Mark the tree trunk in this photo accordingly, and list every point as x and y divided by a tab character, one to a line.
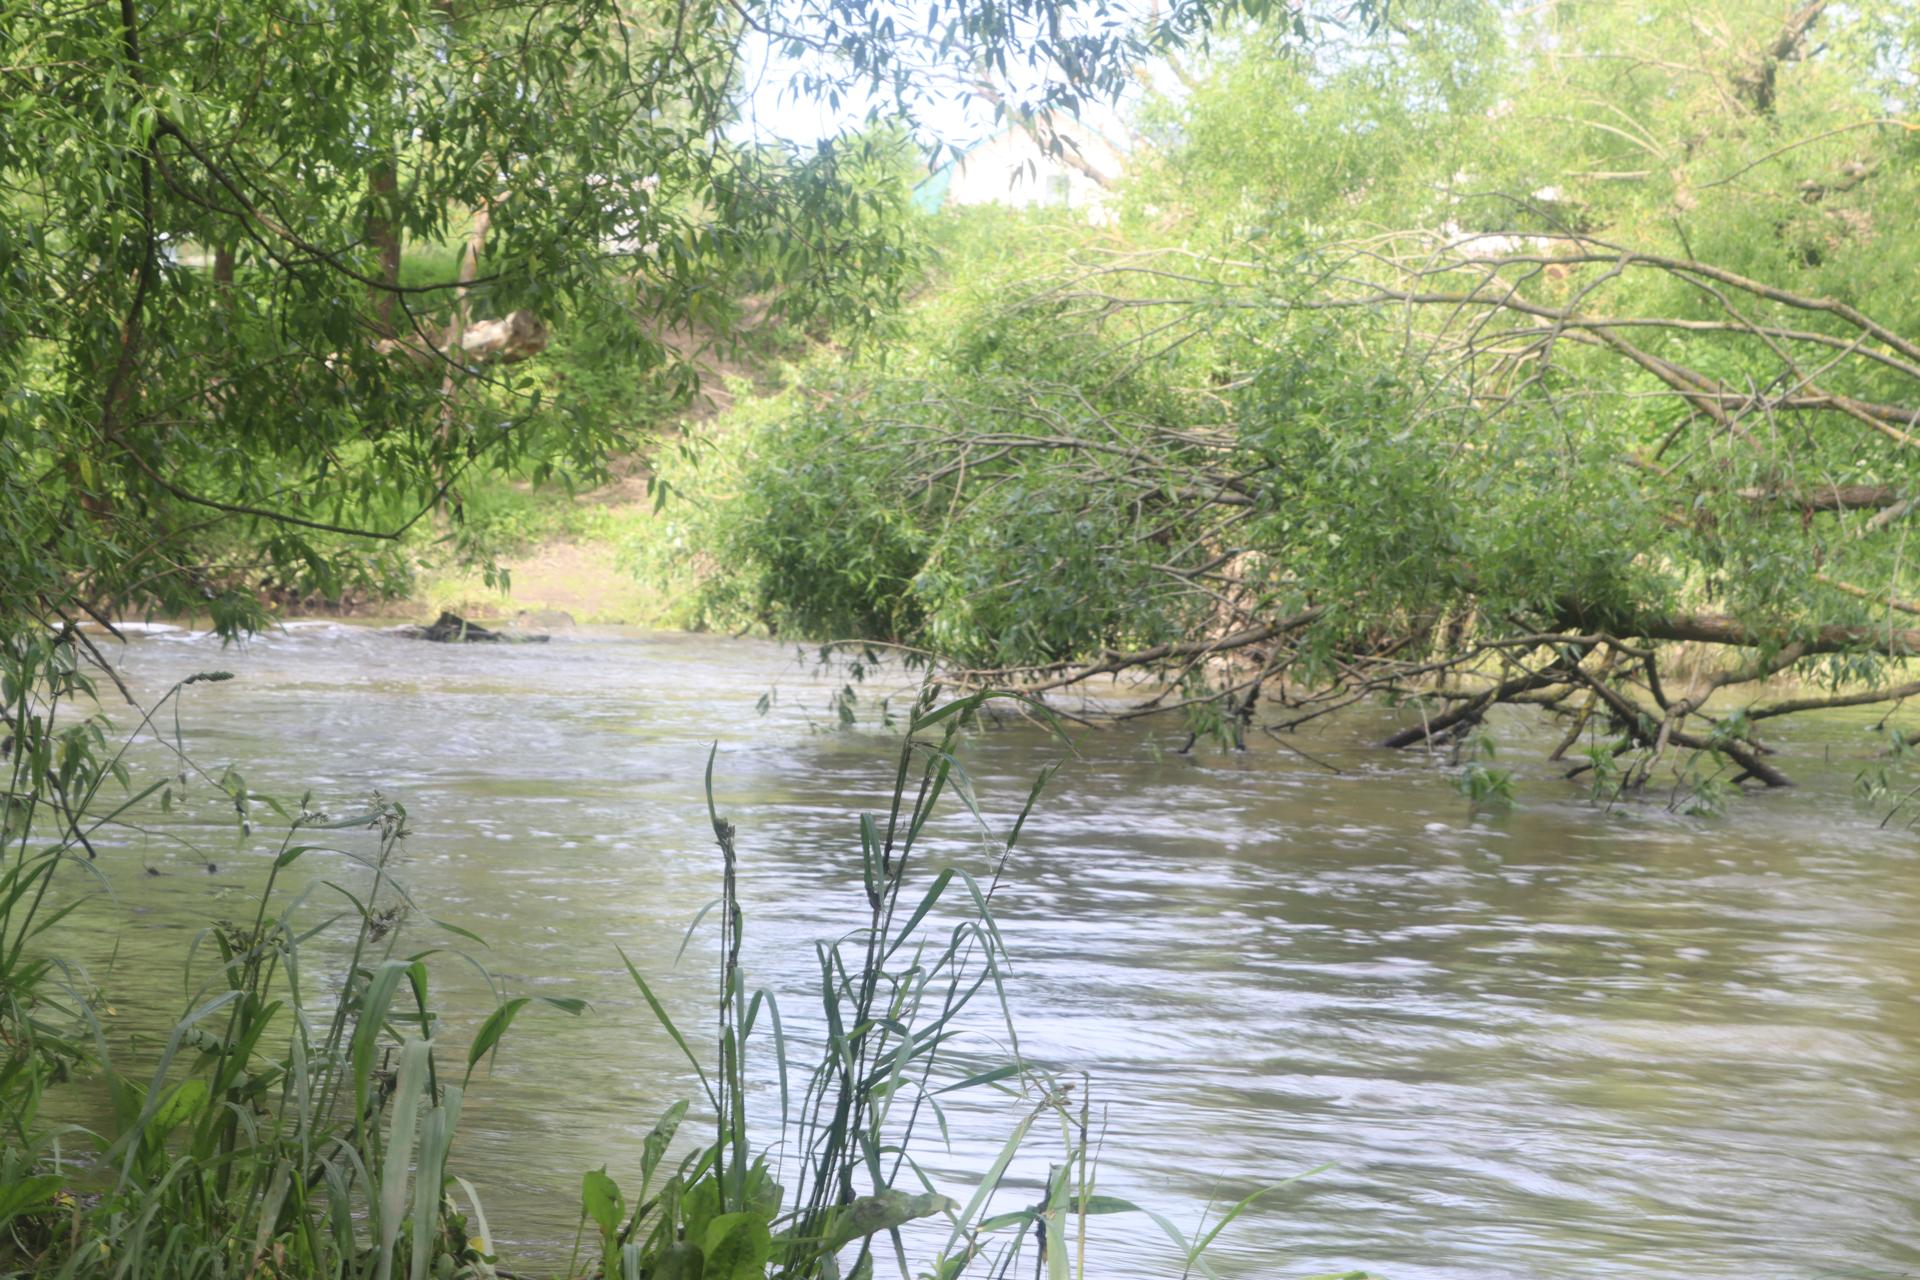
457	333
383	184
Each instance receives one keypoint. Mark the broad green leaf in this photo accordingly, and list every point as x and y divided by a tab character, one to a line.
492	1029
737	1247
654	1148
601	1201
871	1214
680	1261
28	1194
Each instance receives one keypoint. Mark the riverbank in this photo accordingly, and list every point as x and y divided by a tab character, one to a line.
561	553
577	551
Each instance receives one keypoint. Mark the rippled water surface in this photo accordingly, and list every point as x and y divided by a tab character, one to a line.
1564	1042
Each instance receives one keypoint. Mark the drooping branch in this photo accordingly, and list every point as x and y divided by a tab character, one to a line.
1636	722
1066	674
1835	497
1861	593
1717	629
1829	702
1474	709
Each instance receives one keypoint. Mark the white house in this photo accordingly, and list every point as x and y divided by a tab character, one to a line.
1017	168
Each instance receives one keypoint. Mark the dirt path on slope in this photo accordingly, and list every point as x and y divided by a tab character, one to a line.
583	578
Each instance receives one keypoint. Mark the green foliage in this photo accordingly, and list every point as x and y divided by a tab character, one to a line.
1018	483
839	507
255	1132
237	251
813	543
1580	321
1484	786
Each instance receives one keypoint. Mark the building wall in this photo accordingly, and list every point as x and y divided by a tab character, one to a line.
1011	169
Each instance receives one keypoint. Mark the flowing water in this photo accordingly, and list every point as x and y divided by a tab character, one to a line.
1561	1042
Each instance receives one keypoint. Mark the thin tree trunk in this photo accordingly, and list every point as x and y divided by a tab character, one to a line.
457	332
383	184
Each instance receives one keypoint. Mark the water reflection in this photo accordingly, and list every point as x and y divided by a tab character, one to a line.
1562	1043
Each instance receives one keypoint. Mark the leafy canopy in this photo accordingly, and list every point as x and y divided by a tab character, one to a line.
1494	340
247	252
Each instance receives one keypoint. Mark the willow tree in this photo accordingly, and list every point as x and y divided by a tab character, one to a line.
1654	381
1561	356
270	273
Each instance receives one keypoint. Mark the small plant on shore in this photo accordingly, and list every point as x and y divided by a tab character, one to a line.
892	994
294	1122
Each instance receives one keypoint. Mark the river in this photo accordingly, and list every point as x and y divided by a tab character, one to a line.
1564	1041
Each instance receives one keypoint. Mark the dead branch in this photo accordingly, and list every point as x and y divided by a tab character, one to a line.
512	338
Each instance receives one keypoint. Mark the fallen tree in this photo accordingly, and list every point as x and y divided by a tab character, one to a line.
1578	379
1604	531
1735	473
